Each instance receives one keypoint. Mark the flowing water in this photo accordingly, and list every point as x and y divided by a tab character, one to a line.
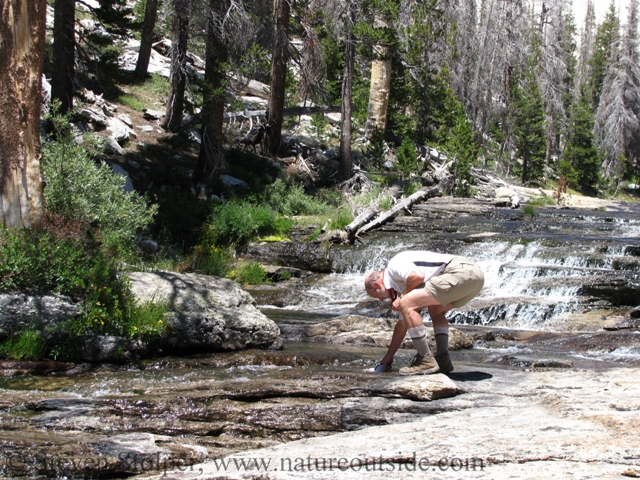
538	270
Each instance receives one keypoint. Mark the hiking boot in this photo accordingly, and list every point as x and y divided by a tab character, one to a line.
421	366
444	362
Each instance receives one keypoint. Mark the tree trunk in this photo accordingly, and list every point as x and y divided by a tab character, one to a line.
379	92
64	47
281	12
146	40
347	89
380	86
178	79
211	158
22	33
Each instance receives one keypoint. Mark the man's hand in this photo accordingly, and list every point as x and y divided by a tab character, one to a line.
396	304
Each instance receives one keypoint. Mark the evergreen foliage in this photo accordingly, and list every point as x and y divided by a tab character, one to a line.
528	119
582	167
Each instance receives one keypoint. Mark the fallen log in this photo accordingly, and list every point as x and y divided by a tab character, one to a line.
287	112
373	209
421	194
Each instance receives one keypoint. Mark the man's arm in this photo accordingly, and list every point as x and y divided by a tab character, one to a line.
414	280
399	332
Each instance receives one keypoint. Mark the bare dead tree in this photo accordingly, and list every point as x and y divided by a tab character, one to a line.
178	77
64	48
22	40
617	124
146	40
281	12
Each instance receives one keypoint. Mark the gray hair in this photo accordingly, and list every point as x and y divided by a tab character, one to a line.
372	277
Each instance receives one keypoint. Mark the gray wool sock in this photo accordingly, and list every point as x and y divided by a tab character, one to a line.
442	339
419	337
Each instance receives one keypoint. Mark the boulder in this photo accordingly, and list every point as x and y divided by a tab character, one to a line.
120	131
19	311
112	146
206	313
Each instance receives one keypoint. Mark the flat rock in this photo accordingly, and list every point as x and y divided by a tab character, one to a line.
542	424
627	323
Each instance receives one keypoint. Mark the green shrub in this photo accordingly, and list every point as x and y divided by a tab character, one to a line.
210	260
239	222
529	210
28	344
409	188
318	124
42	262
407	157
341	219
251	273
292	200
541	202
386	202
79	189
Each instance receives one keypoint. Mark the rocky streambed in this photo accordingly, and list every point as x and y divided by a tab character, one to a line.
545	384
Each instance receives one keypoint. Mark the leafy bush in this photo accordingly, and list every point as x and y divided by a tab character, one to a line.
409	188
79	189
292	200
31	261
210	260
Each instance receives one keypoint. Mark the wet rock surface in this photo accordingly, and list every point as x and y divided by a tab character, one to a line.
118	421
510	424
362	331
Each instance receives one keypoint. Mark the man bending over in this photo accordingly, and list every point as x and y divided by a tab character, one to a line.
417	279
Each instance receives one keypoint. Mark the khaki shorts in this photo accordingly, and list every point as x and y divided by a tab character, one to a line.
458	284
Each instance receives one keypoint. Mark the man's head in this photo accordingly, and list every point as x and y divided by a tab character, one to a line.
374	285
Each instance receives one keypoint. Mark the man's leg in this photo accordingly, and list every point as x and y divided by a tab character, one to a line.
441	332
409	305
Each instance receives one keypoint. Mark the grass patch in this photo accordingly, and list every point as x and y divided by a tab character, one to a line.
146	94
250	273
541	202
28	344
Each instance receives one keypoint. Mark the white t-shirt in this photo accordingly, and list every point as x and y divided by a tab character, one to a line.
400	266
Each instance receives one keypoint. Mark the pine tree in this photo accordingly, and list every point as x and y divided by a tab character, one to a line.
582	157
604	53
528	118
618	117
178	78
